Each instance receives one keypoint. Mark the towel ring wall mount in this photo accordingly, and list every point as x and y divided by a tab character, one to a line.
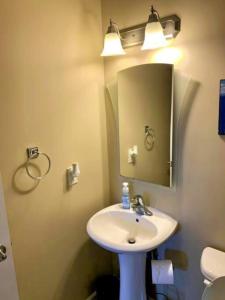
33	153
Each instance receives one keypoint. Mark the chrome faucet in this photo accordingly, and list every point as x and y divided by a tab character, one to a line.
139	207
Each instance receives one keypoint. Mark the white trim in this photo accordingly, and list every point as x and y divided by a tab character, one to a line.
8	284
92	296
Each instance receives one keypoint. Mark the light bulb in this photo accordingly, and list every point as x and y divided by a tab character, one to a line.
112	45
154	37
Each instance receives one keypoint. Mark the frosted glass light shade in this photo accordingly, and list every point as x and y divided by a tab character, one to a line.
112	45
154	37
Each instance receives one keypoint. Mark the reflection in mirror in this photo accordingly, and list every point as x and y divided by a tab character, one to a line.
145	122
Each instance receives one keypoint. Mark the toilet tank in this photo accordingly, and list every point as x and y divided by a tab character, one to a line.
212	263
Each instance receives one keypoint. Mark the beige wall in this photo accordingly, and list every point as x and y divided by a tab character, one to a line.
51	95
197	201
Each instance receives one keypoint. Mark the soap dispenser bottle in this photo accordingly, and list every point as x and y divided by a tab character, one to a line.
125	196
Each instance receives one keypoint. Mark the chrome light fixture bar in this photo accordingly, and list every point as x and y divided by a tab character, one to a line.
152	34
135	35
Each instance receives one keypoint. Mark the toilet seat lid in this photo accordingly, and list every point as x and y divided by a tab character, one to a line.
212	263
216	291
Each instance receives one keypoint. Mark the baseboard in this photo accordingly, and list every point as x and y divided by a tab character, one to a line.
92	296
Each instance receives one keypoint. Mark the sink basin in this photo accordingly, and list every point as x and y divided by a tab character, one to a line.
113	228
131	236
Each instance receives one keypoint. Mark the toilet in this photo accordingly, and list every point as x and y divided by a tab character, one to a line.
213	269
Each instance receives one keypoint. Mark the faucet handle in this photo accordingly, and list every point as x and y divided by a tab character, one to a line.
138	200
139	206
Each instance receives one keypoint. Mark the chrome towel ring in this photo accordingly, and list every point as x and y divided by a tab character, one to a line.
149	138
33	153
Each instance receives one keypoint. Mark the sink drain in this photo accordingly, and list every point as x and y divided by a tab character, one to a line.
131	241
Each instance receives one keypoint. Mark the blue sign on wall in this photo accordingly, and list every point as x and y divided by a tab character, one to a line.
221	129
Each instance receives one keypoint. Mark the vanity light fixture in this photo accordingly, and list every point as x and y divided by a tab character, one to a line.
150	35
112	41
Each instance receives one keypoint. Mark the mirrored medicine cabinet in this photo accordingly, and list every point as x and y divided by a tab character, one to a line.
145	118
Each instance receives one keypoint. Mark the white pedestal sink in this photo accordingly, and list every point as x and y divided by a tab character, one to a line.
114	228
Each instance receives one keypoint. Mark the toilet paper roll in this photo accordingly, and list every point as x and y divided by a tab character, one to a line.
162	272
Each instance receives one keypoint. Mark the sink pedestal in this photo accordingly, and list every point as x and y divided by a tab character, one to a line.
132	276
131	236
